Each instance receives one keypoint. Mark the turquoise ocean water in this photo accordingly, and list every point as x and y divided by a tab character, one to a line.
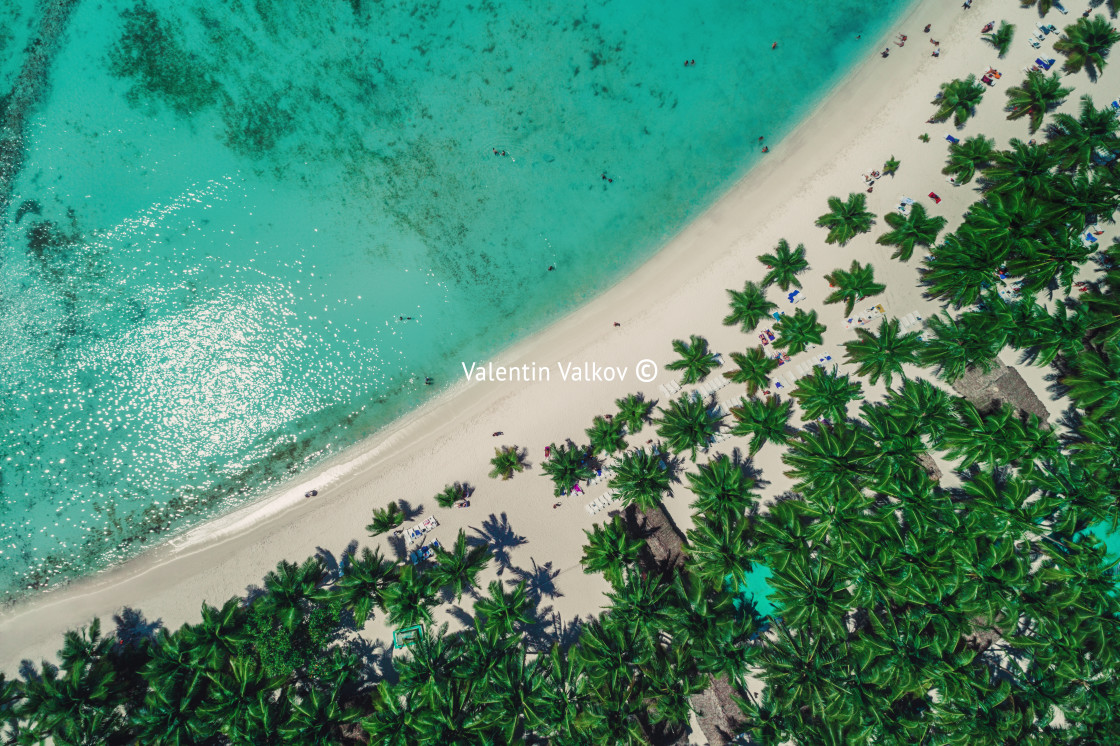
245	231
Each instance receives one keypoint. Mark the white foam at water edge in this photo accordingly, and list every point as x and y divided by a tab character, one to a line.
252	515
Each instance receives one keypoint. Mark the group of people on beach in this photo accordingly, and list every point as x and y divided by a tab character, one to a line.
902	42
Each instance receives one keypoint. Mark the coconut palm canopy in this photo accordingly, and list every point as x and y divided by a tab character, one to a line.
1035	96
748	307
753	369
783	266
1001	37
958	99
798	330
882	354
695	359
845	220
916	228
1086	44
967	156
852	285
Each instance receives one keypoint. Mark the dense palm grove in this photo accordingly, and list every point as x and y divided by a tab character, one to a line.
907	612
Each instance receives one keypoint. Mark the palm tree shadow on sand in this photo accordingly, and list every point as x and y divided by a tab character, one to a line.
501	537
539	581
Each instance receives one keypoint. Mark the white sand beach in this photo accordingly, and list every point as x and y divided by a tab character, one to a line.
877	112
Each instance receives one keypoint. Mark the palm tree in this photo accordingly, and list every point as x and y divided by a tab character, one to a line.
831	461
765	421
361	587
236	694
451	494
929	406
610	550
219	635
748	307
1087	44
408	600
854	284
504	613
385	519
316	718
1001	37
1092	381
884	353
633	412
891	166
846	220
961	268
1023	168
459	567
907	231
688	424
1035	96
1103	309
826	394
288	588
695	359
74	704
754	369
392	721
995	439
507	460
967	156
639	603
718	550
798	330
783	266
606	435
955	347
1076	139
722	489
567	467
642	479
958	99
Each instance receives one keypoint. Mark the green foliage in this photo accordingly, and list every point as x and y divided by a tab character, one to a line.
748	307
1086	44
969	155
958	99
798	330
450	495
846	220
606	436
633	412
783	266
891	166
388	518
1001	37
641	478
765	421
1035	96
882	354
908	231
610	550
566	467
853	284
695	359
687	424
507	461
754	369
826	394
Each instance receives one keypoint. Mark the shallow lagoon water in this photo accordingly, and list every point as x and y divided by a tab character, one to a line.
245	232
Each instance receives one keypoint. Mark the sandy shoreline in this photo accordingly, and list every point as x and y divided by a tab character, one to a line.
874	113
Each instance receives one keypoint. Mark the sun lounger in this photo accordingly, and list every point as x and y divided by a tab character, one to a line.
951	139
1060	8
1033	42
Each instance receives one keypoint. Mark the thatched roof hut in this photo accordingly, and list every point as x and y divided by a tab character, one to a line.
1002	385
